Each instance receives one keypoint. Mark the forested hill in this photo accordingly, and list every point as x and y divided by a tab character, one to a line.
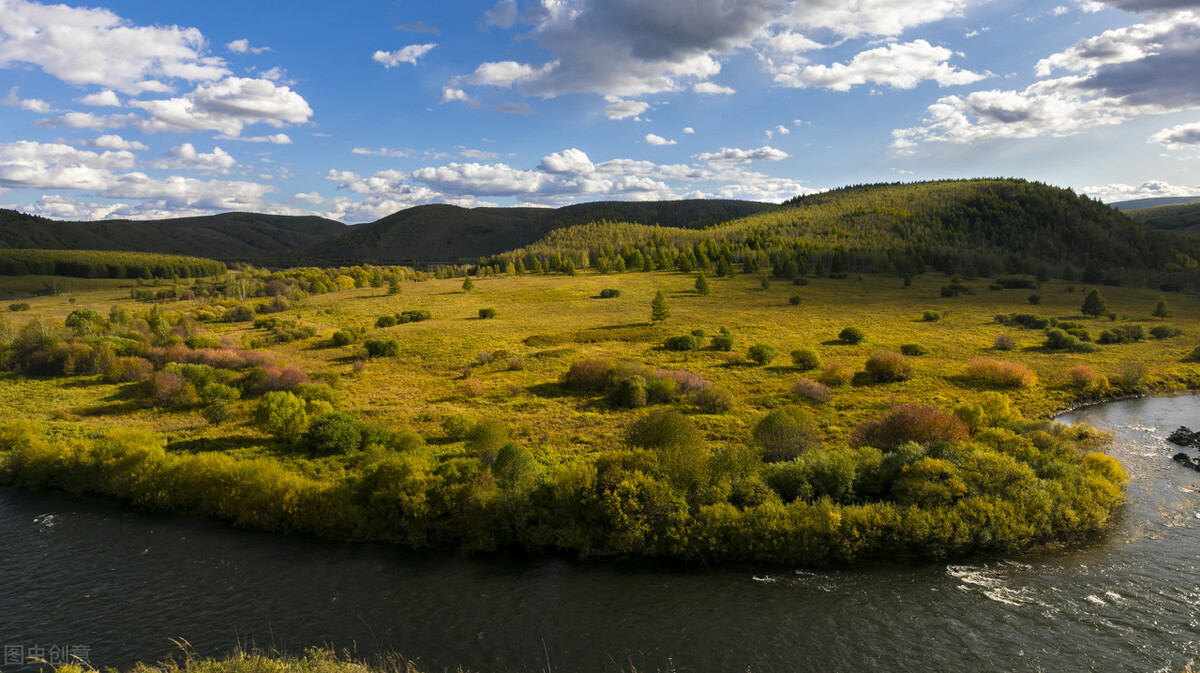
228	236
443	233
1184	217
971	227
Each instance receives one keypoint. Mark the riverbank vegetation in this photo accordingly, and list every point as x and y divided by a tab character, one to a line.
377	403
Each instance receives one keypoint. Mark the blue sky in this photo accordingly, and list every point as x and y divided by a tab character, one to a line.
352	111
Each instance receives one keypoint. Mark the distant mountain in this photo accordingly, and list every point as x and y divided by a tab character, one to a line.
227	237
1185	217
442	233
1137	204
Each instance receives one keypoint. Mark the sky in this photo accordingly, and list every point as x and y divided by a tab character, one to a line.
355	110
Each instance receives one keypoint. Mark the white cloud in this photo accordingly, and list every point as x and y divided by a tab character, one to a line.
778	130
35	165
900	66
712	89
177	192
656	140
477	155
311	198
572	161
273	139
31	104
95	46
503	15
1178	137
1114	193
87	120
106	98
1123	45
450	93
855	18
382	152
689	130
227	106
623	109
185	157
242	46
410	54
114	142
732	155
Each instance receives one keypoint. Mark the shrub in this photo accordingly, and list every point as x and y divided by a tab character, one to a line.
787	433
1122	334
487	313
631	393
684	342
811	391
378	348
1001	373
386	321
197	341
661	390
687	381
514	465
281	415
219	392
1165	331
344	337
805	359
663	429
955	289
471	387
909	423
335	434
487	437
1029	321
712	400
609	293
1035	299
836	374
589	375
1058	339
516	364
1194	356
886	367
19	306
126	369
931	316
794	300
722	342
913	350
851	335
413	316
239	313
762	353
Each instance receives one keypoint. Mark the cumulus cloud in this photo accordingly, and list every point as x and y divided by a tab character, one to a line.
242	46
733	155
623	109
31	104
856	18
503	15
901	66
712	88
185	157
410	54
87	120
227	106
112	141
177	192
1113	193
36	165
655	139
1178	137
106	98
570	160
95	46
689	130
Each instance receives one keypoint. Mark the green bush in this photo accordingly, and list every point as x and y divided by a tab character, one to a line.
1057	339
914	350
487	313
386	321
344	337
457	426
885	367
683	342
378	348
631	393
1165	331
662	389
722	342
282	415
663	429
487	437
413	316
806	359
794	300
851	335
19	306
712	400
812	391
786	433
931	316
335	434
609	293
762	353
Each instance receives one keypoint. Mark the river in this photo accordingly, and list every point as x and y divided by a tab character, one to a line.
118	586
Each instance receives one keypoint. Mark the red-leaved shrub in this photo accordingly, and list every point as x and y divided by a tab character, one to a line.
909	423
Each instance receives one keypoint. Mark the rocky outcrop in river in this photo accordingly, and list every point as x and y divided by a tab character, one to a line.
1184	437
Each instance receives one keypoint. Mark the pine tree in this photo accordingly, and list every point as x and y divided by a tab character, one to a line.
467	284
1161	310
658	308
766	283
702	285
1094	305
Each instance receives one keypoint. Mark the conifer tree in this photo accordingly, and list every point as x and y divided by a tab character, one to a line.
467	284
658	308
702	285
1094	305
1161	310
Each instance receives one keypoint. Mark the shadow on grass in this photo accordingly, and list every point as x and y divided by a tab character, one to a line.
216	444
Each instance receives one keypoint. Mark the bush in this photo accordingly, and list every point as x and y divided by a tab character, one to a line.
1001	373
19	306
487	313
684	342
1122	334
335	434
1035	299
662	389
514	465
197	341
1194	356
794	300
663	429
955	289
687	381
516	364
805	359
836	374
378	348
1058	339
609	293
631	393
787	433
413	316
471	387
282	415
127	369
931	316
588	375
811	391
487	438
914	350
722	342
1029	321
344	337
457	426
851	335
1165	331
909	423
712	400
386	321
762	353
885	367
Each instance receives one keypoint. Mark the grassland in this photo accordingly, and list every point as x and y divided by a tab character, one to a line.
509	370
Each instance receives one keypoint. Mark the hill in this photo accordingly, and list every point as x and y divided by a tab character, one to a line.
969	227
227	237
1138	204
1184	217
443	233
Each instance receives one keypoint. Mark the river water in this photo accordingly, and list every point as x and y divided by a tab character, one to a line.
118	586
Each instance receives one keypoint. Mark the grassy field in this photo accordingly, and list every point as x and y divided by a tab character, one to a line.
508	368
